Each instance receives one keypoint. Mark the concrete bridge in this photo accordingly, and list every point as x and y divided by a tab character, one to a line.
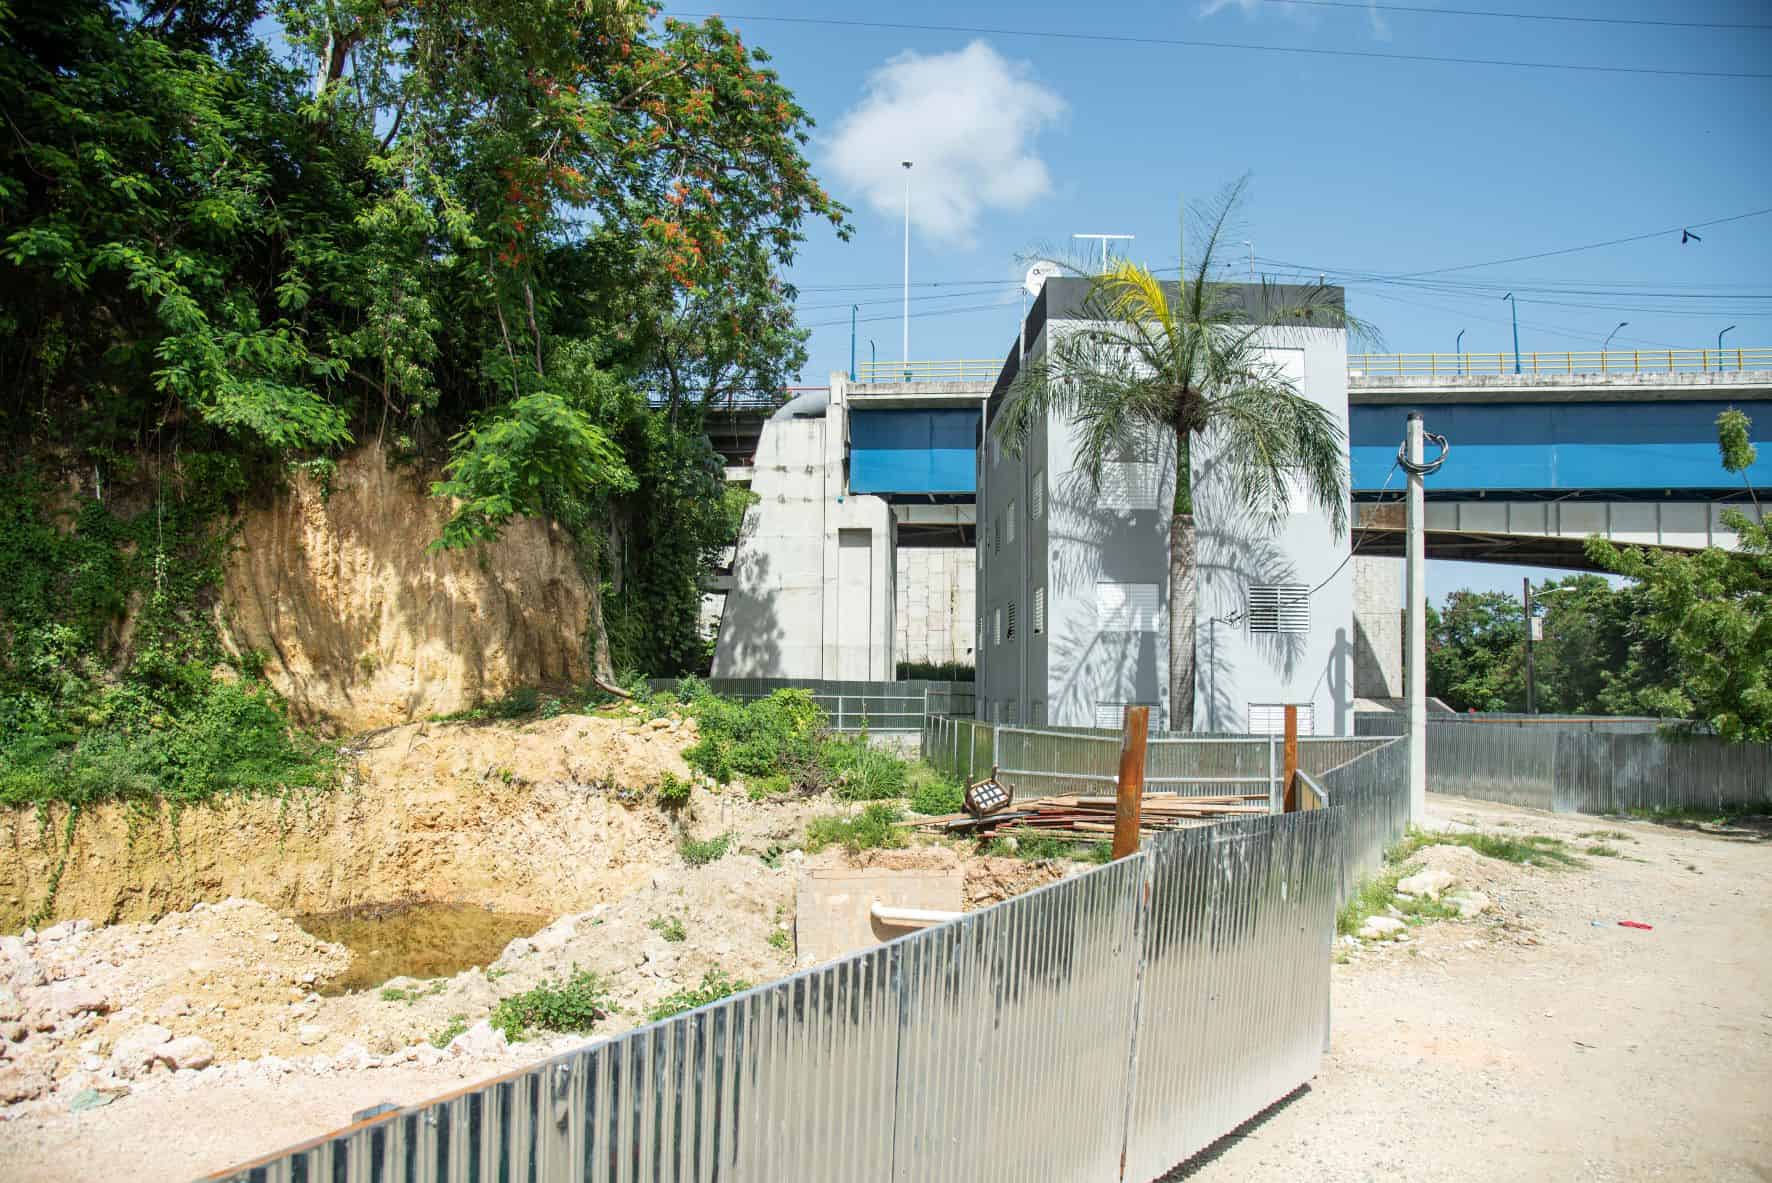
1542	460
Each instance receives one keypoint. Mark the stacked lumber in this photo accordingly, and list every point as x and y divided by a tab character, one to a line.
1091	817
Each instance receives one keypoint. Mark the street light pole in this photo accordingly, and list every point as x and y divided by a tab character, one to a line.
1608	341
1720	348
853	309
1458	348
907	269
1515	306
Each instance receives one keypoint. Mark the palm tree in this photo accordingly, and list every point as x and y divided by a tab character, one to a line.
1189	358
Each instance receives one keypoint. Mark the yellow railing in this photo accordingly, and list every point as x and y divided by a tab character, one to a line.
1610	361
964	370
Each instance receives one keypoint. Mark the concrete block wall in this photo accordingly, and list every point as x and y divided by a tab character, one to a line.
935	605
1378	627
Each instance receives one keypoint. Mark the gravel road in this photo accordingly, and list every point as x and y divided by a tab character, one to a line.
1550	1047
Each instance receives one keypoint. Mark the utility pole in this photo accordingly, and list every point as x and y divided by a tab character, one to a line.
1514	304
853	309
1251	247
1417	648
907	269
1531	701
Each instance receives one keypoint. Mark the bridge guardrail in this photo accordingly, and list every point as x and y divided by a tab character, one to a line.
960	370
1611	361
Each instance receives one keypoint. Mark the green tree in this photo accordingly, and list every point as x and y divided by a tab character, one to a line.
1185	359
1475	654
1713	611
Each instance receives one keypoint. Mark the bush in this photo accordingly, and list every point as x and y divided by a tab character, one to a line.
714	986
936	671
875	827
774	735
699	852
858	771
576	1004
937	795
673	792
1036	847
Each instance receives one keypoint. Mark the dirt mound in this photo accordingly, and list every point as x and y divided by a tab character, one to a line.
543	817
362	626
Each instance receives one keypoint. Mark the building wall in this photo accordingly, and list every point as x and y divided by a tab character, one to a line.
1378	627
1238	667
812	586
936	602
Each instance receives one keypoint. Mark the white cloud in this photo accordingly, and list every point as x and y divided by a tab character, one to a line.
1308	17
968	121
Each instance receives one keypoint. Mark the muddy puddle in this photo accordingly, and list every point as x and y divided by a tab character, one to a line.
416	940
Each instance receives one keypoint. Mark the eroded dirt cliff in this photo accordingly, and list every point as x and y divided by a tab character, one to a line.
363	626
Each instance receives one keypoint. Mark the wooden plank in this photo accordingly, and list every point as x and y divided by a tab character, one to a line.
1130	787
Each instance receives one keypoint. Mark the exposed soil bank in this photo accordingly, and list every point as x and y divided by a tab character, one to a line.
519	819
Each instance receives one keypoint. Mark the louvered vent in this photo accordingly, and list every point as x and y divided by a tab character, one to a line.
1279	608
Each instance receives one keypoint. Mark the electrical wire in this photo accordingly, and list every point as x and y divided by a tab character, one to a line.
1366	6
1426	467
1246	46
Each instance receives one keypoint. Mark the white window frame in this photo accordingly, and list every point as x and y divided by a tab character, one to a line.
1009	522
1039	611
1037	496
1269	718
1127	607
996	626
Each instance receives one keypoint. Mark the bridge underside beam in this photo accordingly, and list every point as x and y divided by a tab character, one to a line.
1524	550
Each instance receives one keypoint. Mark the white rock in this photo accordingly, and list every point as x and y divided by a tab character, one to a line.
11	1009
308	1034
478	1040
353	1056
555	935
58	932
173	1007
1428	883
191	1051
1469	904
273	937
137	1049
1381	928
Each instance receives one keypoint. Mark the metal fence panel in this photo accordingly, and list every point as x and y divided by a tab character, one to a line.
1234	1009
1015	1045
855	705
1372	791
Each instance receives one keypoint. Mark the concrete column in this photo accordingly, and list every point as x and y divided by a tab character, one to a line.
1378	627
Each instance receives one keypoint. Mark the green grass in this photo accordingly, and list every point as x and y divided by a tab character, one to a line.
446	1034
1720	815
1378	895
669	927
576	1004
1035	847
699	852
1528	850
714	986
1602	850
875	827
934	794
1618	835
397	994
782	939
858	771
768	788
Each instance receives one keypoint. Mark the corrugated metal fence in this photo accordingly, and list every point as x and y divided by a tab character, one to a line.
1045	762
1105	1027
1584	769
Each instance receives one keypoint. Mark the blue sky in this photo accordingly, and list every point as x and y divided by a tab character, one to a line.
1358	165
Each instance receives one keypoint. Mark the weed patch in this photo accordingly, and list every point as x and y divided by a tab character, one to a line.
782	939
673	792
875	827
1617	835
669	927
699	852
714	986
1378	895
934	794
446	1034
1036	847
1528	850
1602	850
576	1004
858	771
409	996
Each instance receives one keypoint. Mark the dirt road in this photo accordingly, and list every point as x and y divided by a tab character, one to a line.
1548	1047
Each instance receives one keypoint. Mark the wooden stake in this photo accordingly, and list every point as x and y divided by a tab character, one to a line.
1130	792
1289	777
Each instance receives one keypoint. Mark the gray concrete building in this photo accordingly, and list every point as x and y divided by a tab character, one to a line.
1073	577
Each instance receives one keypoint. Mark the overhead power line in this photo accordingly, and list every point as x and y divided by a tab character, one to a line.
1247	46
1592	246
1361	6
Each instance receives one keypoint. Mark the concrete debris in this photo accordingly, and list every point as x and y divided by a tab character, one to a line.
1429	883
1381	928
138	1049
1470	904
190	1051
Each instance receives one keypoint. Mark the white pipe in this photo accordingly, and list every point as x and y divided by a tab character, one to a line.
910	917
907	270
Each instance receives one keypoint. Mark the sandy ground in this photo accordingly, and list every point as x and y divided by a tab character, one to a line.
1535	1045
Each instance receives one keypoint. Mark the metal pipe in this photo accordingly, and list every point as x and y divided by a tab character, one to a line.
910	917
